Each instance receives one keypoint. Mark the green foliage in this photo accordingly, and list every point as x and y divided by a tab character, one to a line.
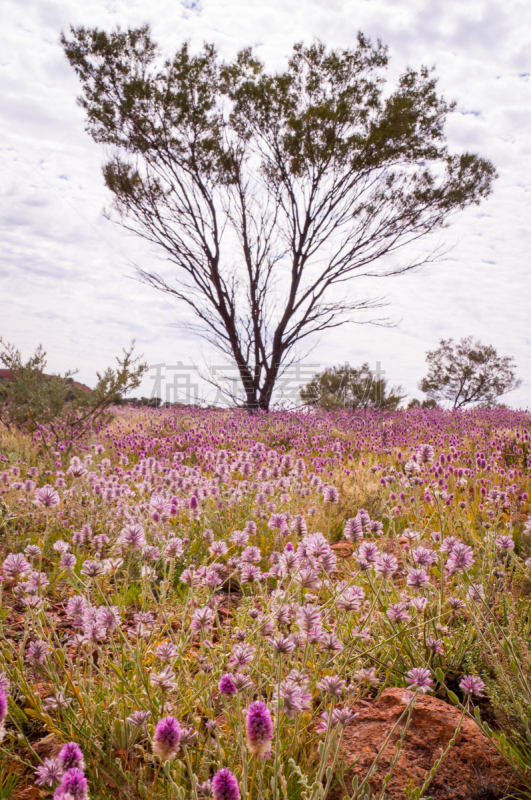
10	779
56	405
468	372
351	387
414	403
504	643
266	190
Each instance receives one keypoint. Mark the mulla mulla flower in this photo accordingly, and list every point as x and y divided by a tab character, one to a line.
132	536
48	773
295	698
47	497
472	685
417	578
3	712
225	786
386	565
332	684
419	678
71	756
242	654
15	567
339	717
259	728
227	686
37	652
167	738
138	718
282	644
202	619
353	529
397	612
73	786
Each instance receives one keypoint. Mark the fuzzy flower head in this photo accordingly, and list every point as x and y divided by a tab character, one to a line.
472	685
132	536
259	727
282	644
295	698
242	655
476	592
3	706
386	565
174	547
417	578
74	786
202	618
332	684
47	497
227	686
3	712
225	786
138	718
353	528
71	757
419	678
460	559
37	652
166	652
167	738
338	717
48	773
425	453
330	494
397	612
15	567
505	543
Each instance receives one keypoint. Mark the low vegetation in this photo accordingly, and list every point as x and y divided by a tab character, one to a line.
194	602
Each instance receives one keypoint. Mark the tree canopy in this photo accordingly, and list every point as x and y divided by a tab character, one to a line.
351	387
270	192
465	372
56	406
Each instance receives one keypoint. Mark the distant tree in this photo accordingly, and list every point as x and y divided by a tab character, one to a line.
351	387
56	406
414	403
269	192
468	372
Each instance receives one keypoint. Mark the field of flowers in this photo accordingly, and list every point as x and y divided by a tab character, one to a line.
193	603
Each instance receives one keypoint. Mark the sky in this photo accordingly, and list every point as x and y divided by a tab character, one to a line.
67	273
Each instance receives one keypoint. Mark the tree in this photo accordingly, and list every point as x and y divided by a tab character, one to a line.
414	403
56	406
351	387
467	372
270	192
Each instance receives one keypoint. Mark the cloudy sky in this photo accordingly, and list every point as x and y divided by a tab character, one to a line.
66	274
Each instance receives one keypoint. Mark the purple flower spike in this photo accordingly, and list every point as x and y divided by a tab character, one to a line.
48	773
225	786
47	496
71	757
471	684
73	785
167	738
3	705
420	678
227	685
259	729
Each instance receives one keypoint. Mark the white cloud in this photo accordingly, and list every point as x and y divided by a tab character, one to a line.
65	271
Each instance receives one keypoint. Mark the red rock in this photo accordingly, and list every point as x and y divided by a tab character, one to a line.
432	727
343	549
